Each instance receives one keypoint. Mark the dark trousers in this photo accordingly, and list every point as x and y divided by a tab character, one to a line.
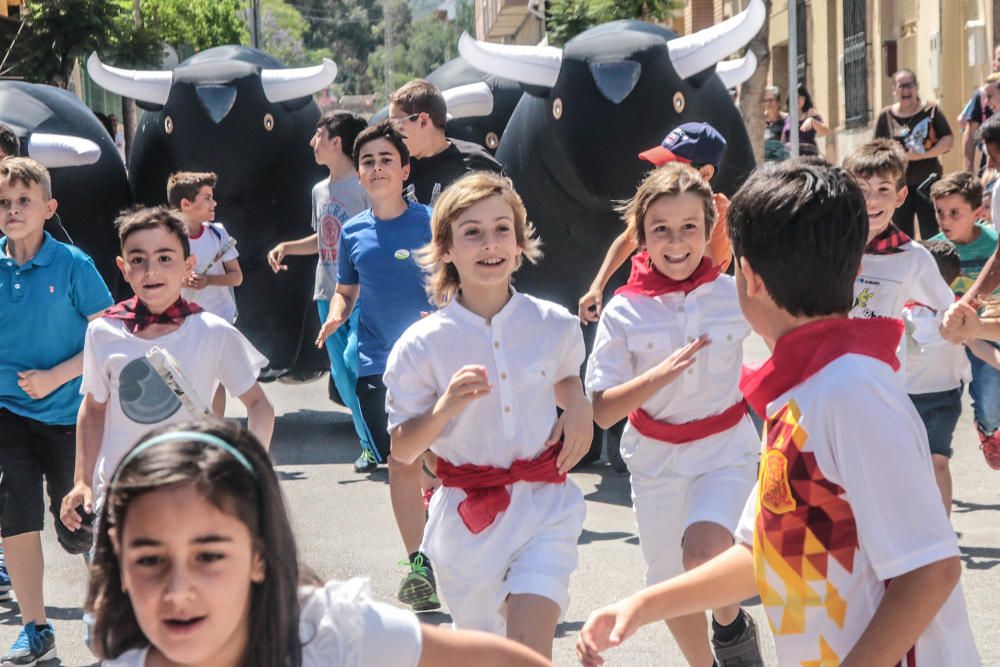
371	398
915	205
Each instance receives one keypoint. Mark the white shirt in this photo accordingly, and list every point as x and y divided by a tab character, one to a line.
887	282
115	371
635	333
846	459
932	363
340	626
214	298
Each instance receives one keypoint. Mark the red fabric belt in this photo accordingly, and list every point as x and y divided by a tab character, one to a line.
485	486
696	429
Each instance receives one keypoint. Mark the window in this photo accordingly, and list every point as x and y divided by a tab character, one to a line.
856	111
801	35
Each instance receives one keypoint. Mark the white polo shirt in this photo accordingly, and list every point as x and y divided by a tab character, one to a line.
932	363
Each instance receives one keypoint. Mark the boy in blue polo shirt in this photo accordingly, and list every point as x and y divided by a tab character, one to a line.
48	292
376	260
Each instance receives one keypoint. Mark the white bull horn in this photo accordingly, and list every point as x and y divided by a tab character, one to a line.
532	65
62	150
281	85
469	101
150	86
735	72
693	53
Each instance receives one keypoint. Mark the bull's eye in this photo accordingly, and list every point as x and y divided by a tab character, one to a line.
557	108
168	124
679	102
492	140
268	122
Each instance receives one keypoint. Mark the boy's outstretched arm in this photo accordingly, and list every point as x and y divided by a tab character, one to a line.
340	309
447	648
590	303
575	426
308	245
726	579
260	414
911	601
89	433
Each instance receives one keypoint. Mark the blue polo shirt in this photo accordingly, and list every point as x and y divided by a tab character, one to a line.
44	306
378	255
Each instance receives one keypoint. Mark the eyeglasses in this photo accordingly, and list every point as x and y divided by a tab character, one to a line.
770	99
398	121
906	85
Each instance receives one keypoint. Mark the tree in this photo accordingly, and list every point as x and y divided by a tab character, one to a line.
421	46
192	25
568	18
283	31
348	28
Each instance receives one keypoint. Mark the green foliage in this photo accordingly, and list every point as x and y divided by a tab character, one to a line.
192	25
347	28
283	31
568	18
420	47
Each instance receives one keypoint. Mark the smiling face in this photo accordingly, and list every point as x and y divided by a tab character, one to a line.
154	266
24	210
380	169
674	227
188	567
956	218
484	246
881	200
905	87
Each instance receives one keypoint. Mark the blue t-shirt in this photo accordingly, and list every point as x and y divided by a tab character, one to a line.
378	255
44	306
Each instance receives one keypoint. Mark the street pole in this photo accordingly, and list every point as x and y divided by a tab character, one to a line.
793	77
389	73
255	26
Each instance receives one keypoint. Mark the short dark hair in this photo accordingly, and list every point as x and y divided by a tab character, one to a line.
186	184
384	130
136	220
9	144
343	124
989	131
420	96
946	255
803	229
881	157
960	183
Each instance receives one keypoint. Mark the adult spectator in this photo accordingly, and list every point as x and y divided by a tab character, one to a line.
774	125
811	125
974	114
923	131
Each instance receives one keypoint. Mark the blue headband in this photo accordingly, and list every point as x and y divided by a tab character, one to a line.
184	436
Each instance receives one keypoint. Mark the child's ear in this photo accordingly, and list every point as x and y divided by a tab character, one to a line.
185	205
406	171
115	544
190	261
50	207
120	261
752	279
258	571
901	195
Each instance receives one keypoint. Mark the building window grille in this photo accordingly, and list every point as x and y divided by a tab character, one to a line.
856	112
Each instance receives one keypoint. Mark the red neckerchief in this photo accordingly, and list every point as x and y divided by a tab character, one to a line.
803	352
485	486
888	241
646	279
136	315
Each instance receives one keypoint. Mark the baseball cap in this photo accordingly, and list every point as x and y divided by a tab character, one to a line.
692	143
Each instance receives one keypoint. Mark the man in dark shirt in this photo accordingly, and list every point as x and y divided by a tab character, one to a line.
419	112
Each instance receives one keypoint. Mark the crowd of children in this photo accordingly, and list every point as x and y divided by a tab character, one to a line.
429	343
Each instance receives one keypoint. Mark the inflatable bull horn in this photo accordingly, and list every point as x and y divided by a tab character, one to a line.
62	150
469	101
735	72
691	54
153	87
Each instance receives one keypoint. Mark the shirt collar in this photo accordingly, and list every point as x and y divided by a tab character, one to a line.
45	255
460	312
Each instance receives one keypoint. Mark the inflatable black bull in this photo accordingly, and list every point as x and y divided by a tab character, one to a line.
240	113
88	177
615	90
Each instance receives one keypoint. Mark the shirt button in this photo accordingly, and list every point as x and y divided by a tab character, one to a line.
17	285
690	371
506	408
496	344
729	337
503	376
649	346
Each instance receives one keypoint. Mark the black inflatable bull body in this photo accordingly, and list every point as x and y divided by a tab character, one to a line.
88	177
615	90
238	112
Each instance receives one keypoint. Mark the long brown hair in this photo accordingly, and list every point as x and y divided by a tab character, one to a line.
247	489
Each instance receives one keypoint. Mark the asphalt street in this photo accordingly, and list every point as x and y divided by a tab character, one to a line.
344	526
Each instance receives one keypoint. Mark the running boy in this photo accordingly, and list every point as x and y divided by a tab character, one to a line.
478	382
123	396
217	269
49	291
699	145
690	448
845	537
375	259
936	371
335	200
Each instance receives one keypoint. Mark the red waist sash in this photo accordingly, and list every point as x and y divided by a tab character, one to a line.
696	429
485	486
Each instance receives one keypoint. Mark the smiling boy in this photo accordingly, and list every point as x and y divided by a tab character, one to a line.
48	292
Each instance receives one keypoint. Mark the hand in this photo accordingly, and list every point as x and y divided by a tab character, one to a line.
670	368
721	202
806	125
575	427
37	384
606	628
960	323
329	327
275	257
589	308
467	384
79	495
196	281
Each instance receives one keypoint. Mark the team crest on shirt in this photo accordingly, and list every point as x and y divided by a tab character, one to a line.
775	491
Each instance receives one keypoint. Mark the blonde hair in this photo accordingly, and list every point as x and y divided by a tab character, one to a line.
670	180
27	172
443	281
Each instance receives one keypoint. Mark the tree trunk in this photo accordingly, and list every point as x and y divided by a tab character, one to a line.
752	90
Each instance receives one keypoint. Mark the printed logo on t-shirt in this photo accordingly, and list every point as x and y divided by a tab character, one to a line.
874	297
402	254
775	491
330	232
143	395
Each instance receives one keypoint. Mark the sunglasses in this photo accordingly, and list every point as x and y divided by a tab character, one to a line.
399	120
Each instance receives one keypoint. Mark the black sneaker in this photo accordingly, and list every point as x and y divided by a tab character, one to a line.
418	588
366	462
34	644
741	651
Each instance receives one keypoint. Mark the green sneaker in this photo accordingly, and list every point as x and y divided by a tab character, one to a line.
418	588
366	462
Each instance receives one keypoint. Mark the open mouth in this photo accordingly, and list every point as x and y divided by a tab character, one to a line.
491	261
677	259
184	625
874	215
152	286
